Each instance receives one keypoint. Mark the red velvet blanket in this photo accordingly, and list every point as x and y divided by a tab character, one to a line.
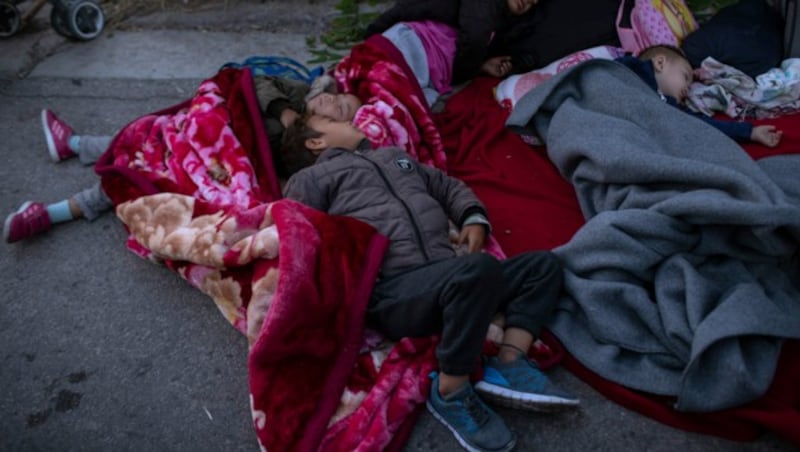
532	207
194	186
394	111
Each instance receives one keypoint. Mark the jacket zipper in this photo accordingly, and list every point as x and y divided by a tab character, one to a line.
408	209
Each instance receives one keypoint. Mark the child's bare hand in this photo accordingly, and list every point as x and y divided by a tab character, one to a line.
769	136
498	66
473	235
288	116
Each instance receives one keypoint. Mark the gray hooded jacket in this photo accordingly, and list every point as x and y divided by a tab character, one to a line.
407	202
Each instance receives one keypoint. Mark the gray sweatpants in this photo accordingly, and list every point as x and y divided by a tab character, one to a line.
410	46
92	201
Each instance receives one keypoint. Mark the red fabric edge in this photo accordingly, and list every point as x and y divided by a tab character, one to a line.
109	173
139	185
338	378
733	424
385	45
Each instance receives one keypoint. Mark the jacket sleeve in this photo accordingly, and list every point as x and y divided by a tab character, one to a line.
303	187
458	200
739	131
401	11
382	23
520	46
476	24
269	89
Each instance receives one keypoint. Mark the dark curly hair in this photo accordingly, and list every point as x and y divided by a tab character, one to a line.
294	153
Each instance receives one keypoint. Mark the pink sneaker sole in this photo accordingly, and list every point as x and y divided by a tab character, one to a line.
51	145
7	223
52	149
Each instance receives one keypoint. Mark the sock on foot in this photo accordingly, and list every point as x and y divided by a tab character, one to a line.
59	212
74	144
454	394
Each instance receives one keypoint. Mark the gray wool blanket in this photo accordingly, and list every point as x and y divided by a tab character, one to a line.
684	279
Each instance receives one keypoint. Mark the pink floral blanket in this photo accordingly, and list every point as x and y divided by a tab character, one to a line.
195	188
394	110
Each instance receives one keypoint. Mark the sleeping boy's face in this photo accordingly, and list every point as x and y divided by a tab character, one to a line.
333	134
339	107
673	76
520	7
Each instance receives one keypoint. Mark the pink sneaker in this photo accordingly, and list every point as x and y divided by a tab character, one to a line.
30	219
57	133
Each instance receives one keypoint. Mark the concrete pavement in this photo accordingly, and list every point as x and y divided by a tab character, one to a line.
100	350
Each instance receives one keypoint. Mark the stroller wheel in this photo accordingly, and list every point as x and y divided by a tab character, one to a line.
10	19
85	19
58	20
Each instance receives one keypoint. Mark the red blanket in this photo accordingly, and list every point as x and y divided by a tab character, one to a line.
394	111
532	207
195	187
193	184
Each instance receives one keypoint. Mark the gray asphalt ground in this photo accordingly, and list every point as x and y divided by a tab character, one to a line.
100	350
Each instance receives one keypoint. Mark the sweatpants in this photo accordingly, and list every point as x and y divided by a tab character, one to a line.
458	298
92	201
410	46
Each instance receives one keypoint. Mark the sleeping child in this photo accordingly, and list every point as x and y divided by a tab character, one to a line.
668	72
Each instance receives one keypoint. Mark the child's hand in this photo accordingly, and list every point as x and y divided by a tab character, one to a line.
498	66
473	235
288	116
769	136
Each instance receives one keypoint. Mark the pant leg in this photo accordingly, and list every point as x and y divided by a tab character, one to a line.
407	42
455	297
93	202
533	283
90	148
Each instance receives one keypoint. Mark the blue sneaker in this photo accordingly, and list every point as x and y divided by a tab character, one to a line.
476	427
520	384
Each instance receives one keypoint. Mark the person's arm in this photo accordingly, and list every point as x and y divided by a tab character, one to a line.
461	206
739	131
522	62
519	43
477	20
401	11
767	135
458	200
275	94
280	101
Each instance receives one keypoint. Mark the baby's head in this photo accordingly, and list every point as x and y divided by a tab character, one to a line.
323	99
520	7
307	137
672	69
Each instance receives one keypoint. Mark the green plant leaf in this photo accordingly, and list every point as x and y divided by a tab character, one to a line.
343	31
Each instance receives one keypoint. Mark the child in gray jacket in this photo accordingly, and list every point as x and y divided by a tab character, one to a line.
424	288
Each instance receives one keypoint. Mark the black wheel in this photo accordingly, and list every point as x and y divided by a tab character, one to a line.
85	19
58	20
10	19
